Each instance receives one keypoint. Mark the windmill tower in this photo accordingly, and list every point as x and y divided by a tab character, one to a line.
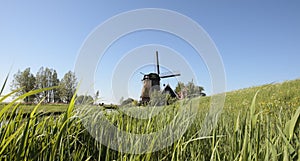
151	82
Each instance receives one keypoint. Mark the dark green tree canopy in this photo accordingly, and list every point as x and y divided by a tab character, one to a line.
25	81
67	87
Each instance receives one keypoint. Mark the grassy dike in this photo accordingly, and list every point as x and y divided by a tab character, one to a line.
259	123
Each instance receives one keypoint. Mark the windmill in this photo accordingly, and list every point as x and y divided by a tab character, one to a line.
151	82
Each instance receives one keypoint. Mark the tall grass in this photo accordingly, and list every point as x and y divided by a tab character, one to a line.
254	125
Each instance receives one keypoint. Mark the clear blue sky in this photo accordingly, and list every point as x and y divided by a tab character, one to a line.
259	41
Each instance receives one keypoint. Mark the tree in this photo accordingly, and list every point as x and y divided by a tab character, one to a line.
193	90
46	77
179	87
25	81
189	90
55	91
67	87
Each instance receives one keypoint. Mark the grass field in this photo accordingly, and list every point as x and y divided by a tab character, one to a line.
251	127
46	108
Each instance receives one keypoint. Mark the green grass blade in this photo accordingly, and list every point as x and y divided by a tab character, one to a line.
253	117
70	107
6	142
291	124
215	150
3	86
237	123
24	141
58	140
287	143
8	95
32	114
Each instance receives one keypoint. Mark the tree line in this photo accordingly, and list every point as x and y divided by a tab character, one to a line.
25	81
189	90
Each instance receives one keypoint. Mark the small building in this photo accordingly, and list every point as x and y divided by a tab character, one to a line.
169	90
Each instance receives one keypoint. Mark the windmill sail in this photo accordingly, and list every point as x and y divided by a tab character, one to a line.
171	75
157	63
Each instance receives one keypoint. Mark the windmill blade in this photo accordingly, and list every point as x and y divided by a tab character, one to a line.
157	63
171	75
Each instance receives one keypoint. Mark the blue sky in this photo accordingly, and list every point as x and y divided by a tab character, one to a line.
257	40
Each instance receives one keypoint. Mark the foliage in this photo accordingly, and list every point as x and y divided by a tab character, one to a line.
25	81
67	87
254	125
193	90
46	77
179	87
189	90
